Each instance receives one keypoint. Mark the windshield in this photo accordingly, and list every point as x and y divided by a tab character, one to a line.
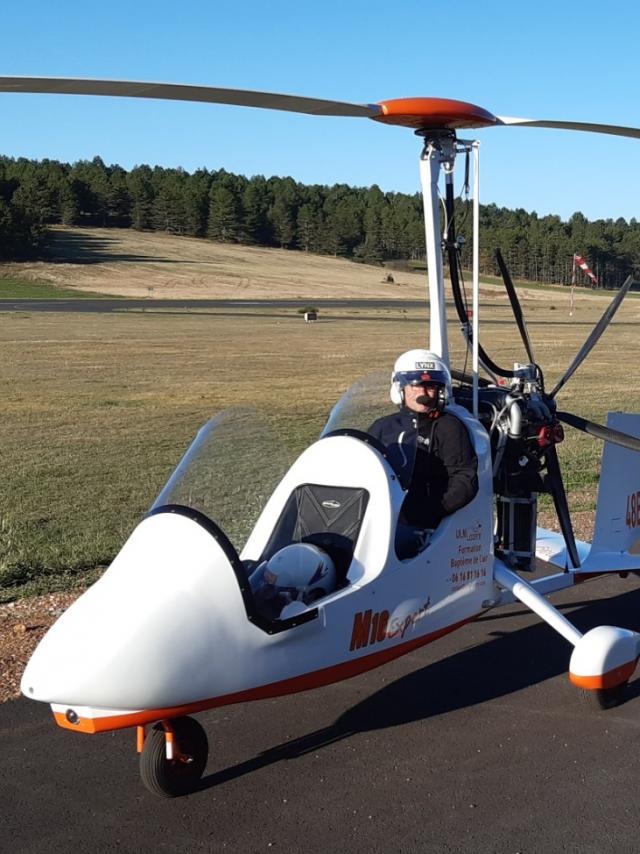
364	404
229	471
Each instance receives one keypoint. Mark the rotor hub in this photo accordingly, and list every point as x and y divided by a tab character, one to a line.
427	114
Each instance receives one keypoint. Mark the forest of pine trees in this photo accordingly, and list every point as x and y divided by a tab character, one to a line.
364	224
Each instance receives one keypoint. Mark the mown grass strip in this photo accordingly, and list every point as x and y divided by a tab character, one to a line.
15	288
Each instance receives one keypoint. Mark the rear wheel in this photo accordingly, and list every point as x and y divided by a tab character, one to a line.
169	778
604	698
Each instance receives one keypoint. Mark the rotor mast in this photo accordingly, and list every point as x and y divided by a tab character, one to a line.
438	155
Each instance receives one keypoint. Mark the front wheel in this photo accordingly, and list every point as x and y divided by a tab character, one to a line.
170	778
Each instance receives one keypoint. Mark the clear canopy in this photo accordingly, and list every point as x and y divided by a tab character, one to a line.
236	460
229	471
364	403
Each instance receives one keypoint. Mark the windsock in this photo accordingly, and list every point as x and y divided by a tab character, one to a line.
579	260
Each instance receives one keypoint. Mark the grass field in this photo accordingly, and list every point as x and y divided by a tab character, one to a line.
99	409
12	287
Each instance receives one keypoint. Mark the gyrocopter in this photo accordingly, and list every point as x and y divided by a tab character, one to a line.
175	625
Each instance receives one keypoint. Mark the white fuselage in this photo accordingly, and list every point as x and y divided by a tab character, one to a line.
167	627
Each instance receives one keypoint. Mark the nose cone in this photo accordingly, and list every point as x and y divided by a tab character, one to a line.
152	632
100	655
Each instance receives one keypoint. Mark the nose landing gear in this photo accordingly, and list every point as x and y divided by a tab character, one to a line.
173	757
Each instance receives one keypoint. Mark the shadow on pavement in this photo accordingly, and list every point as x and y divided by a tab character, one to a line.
508	662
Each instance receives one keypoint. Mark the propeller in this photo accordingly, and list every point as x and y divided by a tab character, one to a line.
417	113
516	307
556	485
554	476
595	335
599	431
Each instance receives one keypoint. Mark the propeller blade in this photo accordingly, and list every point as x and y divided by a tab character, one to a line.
515	307
614	130
181	92
560	503
599	431
596	332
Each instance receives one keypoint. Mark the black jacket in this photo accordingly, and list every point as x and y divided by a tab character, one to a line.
439	450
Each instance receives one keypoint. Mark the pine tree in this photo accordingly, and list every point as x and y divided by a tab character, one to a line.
168	209
256	201
372	249
142	193
224	214
343	213
196	202
283	211
119	202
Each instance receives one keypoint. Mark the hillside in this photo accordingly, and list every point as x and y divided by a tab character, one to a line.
129	263
125	262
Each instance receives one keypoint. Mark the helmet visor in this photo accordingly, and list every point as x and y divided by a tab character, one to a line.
264	583
269	598
420	378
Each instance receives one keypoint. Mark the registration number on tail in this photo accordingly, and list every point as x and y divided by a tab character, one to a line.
633	510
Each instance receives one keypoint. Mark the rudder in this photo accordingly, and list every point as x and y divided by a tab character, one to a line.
617	525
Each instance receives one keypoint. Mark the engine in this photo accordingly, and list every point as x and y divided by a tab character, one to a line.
521	423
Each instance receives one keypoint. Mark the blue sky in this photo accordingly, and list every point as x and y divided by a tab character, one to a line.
548	60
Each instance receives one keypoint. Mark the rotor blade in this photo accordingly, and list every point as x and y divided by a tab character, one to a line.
599	431
596	332
181	92
614	130
560	503
515	306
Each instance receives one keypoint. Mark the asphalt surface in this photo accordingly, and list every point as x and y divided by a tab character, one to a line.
477	743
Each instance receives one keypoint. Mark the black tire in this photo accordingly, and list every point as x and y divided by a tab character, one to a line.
170	778
604	698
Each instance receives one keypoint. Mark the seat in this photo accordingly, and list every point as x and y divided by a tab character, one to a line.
329	517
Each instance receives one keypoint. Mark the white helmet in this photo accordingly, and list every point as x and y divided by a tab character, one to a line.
299	572
416	367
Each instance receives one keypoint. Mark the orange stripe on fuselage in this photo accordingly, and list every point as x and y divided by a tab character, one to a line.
275	689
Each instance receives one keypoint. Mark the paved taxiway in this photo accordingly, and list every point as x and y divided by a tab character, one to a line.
477	743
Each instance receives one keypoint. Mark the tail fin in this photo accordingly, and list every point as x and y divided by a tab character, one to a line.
617	525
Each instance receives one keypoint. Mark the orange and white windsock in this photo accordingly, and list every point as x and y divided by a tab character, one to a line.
579	260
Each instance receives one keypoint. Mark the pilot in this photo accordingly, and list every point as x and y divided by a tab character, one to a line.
298	573
423	435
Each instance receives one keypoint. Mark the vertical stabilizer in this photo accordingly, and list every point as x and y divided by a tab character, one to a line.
617	525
